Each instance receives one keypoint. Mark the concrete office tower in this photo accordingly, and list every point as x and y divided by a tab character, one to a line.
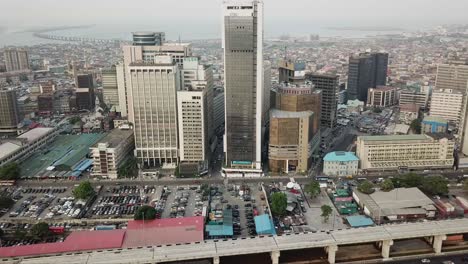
147	53
266	93
382	96
218	110
152	95
85	96
148	38
365	71
243	78
9	115
418	98
109	86
294	128
84	81
16	59
452	76
329	84
448	104
291	72
195	116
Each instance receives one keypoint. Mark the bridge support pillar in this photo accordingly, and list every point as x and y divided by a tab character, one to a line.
275	255
437	243
386	244
216	260
331	250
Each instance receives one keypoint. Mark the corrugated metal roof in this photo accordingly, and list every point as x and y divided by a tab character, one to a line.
264	225
359	221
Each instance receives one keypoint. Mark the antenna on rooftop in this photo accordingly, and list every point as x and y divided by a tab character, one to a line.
285	52
179	39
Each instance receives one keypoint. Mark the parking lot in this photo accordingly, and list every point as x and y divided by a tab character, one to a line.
181	201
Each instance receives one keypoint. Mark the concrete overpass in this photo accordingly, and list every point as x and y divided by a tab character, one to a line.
434	232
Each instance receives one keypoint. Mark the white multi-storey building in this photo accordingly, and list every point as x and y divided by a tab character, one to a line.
340	164
447	104
405	151
111	151
153	100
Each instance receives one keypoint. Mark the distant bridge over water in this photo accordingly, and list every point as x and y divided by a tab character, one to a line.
74	39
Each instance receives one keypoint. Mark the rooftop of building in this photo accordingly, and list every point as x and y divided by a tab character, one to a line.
436	119
393	138
324	75
275	113
82	90
340	156
115	137
409	108
383	88
8	148
36	133
438	136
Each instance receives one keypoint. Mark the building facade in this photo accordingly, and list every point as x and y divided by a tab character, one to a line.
16	59
448	104
244	92
452	76
109	88
414	97
365	71
9	113
154	110
148	38
111	151
218	110
408	113
329	85
434	124
382	96
405	151
340	164
291	72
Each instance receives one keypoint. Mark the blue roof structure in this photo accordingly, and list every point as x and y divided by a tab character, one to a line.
359	221
264	225
340	156
221	230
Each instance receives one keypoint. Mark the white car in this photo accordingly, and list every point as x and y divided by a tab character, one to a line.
425	260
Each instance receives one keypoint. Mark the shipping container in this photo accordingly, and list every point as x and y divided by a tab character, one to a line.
105	227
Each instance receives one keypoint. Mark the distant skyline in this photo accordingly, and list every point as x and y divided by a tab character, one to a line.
292	13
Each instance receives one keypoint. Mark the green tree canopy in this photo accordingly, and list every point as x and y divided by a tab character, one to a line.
84	191
128	169
326	212
74	120
6	202
387	185
145	212
410	180
435	185
366	187
40	230
10	171
279	202
313	188
416	126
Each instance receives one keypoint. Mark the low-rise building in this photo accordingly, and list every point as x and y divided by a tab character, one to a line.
400	204
17	150
405	151
408	113
434	124
111	151
382	96
340	163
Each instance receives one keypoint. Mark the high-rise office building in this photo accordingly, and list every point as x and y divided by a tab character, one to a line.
16	59
244	92
84	80
452	76
291	72
195	116
329	84
152	93
109	88
9	116
365	71
382	96
148	38
85	96
447	104
145	49
420	98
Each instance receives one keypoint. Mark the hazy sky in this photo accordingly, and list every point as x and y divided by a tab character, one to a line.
284	13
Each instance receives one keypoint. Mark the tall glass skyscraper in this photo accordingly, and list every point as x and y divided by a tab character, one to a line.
243	78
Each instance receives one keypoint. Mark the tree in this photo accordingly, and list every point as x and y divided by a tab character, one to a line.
84	191
416	126
10	171
326	212
411	180
128	169
387	185
279	202
145	212
366	187
313	188
74	120
435	185
6	202
377	110
40	230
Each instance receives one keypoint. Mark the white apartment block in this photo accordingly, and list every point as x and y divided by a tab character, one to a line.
404	151
111	151
447	104
153	104
452	76
382	96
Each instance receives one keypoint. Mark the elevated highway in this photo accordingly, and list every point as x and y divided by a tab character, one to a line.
383	237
